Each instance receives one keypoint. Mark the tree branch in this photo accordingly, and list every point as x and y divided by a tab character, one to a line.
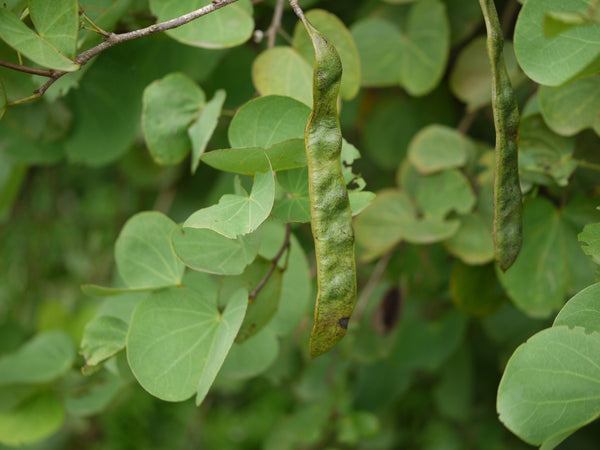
275	24
274	262
112	39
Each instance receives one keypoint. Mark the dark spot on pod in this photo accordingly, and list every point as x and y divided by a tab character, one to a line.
344	322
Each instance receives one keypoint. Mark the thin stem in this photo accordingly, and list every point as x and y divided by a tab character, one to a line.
363	300
23	100
275	23
274	262
32	70
95	27
296	7
588	165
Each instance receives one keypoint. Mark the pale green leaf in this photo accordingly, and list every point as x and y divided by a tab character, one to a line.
557	60
170	105
551	385
228	328
268	120
438	147
36	418
236	215
57	22
457	195
590	236
583	310
227	27
337	33
429	230
103	338
282	71
473	242
202	129
143	252
43	358
252	357
93	290
208	251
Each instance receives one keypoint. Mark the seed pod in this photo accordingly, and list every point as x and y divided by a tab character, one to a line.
508	204
331	217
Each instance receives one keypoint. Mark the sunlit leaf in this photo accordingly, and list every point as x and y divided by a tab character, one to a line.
202	129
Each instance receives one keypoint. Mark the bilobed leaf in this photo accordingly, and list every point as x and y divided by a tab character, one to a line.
251	357
57	22
457	193
591	236
236	215
208	251
103	337
549	245
170	106
282	71
143	252
268	120
172	345
557	60
425	48
551	385
573	107
380	50
32	420
285	155
202	129
471	79
228	329
582	310
224	28
337	33
438	147
24	40
43	358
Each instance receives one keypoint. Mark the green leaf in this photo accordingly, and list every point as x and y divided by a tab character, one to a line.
379	45
471	79
557	23
591	236
24	40
473	242
583	310
425	48
170	106
57	22
172	345
103	338
94	290
573	107
282	71
457	193
337	33
250	160
252	357
143	252
557	60
208	251
2	99
95	396
202	129
34	419
551	385
224	28
550	246
236	214
228	329
261	308
438	147
475	289
43	358
268	120
544	157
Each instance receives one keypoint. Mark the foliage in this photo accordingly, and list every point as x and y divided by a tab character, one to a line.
209	291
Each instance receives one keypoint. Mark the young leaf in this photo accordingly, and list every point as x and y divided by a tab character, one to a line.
208	251
170	106
202	129
103	338
282	71
24	40
57	22
224	28
437	147
143	252
43	358
235	214
551	386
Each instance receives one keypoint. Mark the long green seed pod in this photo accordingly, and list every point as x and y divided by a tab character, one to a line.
508	204
331	217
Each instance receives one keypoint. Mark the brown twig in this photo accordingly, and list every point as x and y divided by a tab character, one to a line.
275	24
378	271
274	262
41	72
